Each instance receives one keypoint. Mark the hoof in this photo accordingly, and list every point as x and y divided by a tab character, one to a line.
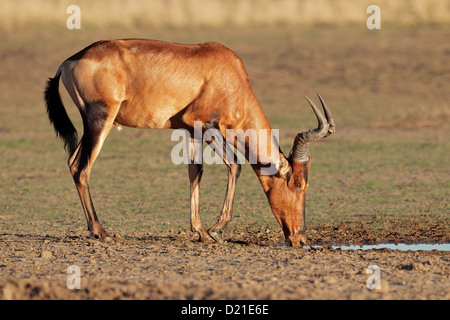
204	236
206	239
216	236
99	232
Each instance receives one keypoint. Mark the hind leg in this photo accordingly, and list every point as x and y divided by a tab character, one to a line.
97	125
195	175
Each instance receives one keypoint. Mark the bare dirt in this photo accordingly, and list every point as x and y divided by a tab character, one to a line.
174	266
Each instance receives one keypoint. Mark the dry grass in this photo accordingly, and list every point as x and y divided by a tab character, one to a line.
387	161
132	13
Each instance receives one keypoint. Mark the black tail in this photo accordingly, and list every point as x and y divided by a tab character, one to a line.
58	115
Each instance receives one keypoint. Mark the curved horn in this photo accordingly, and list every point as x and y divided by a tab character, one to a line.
326	126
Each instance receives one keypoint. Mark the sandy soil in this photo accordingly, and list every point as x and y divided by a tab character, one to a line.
174	266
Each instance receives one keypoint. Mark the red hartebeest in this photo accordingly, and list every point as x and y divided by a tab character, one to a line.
154	84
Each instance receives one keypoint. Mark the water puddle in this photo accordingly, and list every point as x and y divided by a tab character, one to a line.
392	246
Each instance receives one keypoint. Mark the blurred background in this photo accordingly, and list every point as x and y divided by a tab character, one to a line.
385	170
219	13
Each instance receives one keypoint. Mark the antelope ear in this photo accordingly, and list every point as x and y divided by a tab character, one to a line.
283	165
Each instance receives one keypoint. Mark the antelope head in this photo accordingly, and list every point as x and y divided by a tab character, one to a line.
287	194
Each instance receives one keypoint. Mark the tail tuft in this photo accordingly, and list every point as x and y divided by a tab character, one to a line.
58	115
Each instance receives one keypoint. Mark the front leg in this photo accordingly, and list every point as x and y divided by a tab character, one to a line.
234	170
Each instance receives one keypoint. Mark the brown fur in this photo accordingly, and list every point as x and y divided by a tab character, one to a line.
153	84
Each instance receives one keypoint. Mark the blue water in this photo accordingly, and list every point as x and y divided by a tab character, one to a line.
392	246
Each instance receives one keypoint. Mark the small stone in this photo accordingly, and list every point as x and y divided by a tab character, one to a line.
47	254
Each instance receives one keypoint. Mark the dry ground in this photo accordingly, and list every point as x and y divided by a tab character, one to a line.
172	266
383	176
